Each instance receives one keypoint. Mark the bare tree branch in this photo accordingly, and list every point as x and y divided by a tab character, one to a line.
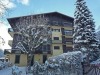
34	31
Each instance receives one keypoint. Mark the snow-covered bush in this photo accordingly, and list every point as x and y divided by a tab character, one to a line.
1	53
16	71
4	64
68	62
1	65
64	64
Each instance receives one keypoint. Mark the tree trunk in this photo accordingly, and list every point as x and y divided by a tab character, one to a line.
29	59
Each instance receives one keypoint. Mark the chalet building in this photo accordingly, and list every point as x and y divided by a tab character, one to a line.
61	41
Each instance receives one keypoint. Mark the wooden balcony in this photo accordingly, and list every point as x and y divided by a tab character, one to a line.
69	44
57	41
7	51
11	32
15	51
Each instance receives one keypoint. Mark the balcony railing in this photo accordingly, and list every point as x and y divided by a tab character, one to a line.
47	51
56	41
56	23
42	52
68	24
10	30
6	51
15	51
69	43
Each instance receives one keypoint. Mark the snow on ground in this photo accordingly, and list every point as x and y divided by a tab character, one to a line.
8	71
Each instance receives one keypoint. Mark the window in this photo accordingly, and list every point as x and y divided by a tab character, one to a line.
68	32
32	61
56	38
17	59
56	47
44	58
56	30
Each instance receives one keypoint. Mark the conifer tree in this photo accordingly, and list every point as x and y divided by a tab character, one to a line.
84	32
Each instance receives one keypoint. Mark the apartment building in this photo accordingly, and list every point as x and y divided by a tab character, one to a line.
61	39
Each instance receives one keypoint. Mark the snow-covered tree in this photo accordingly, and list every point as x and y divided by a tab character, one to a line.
2	42
84	31
5	5
98	36
1	53
34	31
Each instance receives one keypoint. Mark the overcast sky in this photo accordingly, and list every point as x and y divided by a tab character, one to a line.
27	7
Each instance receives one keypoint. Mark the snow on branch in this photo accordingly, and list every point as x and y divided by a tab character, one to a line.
34	30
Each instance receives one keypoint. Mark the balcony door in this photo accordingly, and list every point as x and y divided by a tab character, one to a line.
32	61
44	58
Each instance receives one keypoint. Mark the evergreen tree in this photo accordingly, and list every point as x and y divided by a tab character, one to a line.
84	32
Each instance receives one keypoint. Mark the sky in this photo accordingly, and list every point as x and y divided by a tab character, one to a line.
67	7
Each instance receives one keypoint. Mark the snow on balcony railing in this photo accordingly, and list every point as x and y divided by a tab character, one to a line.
7	51
10	30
